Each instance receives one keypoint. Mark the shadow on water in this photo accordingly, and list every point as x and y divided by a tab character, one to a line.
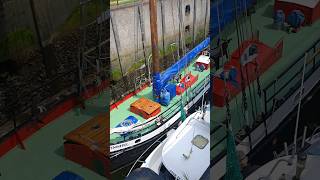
285	133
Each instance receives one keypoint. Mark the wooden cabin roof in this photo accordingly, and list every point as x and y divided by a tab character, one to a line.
92	134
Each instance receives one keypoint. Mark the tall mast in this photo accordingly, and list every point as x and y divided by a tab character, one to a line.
154	36
155	51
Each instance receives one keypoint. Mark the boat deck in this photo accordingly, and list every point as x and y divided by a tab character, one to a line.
294	45
43	157
122	111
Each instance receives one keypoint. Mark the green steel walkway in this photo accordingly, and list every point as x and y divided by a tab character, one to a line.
295	44
43	158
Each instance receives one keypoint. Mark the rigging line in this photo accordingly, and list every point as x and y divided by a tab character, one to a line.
238	112
135	39
162	27
261	114
98	13
246	17
241	19
241	72
249	17
251	27
174	30
222	15
205	19
250	95
299	105
274	102
259	86
116	43
179	37
194	22
182	27
244	99
227	94
244	25
200	15
254	96
186	49
140	13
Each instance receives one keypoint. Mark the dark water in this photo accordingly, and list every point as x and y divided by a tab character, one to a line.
309	116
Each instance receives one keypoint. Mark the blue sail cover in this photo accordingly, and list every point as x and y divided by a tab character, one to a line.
161	80
226	12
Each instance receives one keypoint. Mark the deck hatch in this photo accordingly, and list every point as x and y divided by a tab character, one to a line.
200	141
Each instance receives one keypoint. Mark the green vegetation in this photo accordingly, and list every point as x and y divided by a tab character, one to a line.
169	50
120	2
116	74
17	44
91	11
136	65
188	40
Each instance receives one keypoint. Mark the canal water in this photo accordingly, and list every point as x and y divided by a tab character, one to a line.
308	117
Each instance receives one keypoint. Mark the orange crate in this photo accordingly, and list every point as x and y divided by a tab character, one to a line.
145	108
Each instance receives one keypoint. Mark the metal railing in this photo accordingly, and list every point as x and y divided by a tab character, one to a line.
288	82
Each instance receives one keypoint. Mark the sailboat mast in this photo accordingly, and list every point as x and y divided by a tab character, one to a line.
157	85
154	36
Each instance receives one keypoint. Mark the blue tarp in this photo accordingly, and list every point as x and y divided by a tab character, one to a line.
161	80
226	13
128	122
67	175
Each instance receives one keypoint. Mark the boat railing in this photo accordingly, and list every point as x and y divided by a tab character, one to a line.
315	133
289	80
218	132
164	116
144	152
274	94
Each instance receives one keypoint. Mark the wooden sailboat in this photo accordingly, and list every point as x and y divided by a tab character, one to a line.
133	131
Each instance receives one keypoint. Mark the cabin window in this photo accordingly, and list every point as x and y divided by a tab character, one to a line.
200	141
187	29
188	9
138	140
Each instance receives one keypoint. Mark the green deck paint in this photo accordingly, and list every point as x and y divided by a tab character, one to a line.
43	158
